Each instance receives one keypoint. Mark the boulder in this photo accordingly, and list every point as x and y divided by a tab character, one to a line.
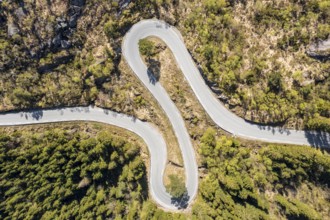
12	29
65	44
60	19
78	3
320	50
73	21
57	40
63	25
20	13
67	33
223	97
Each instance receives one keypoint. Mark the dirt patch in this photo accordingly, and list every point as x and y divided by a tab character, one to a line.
172	169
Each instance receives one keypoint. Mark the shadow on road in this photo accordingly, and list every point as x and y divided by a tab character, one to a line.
318	139
80	109
106	111
273	129
37	114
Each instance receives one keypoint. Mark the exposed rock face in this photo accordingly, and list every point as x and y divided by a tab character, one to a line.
122	3
12	29
35	30
320	50
78	3
65	27
64	32
73	20
20	13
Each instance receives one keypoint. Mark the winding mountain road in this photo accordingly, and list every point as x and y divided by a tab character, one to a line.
216	110
156	144
150	135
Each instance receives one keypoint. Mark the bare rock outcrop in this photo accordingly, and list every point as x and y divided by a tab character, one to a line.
320	50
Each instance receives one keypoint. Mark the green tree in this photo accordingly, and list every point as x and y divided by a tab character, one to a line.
111	29
176	187
65	174
275	82
146	47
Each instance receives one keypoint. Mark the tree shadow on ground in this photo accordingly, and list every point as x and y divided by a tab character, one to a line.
181	202
153	70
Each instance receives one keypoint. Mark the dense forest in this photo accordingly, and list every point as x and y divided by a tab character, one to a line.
83	171
262	182
65	174
61	173
253	52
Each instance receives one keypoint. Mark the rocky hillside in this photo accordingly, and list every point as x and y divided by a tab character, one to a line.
256	53
58	53
260	57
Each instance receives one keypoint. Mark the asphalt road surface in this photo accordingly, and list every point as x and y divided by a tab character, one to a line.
154	140
216	110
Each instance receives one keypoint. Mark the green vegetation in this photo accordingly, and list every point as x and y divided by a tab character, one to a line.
146	47
253	51
176	187
57	172
260	183
296	209
319	122
111	29
60	174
